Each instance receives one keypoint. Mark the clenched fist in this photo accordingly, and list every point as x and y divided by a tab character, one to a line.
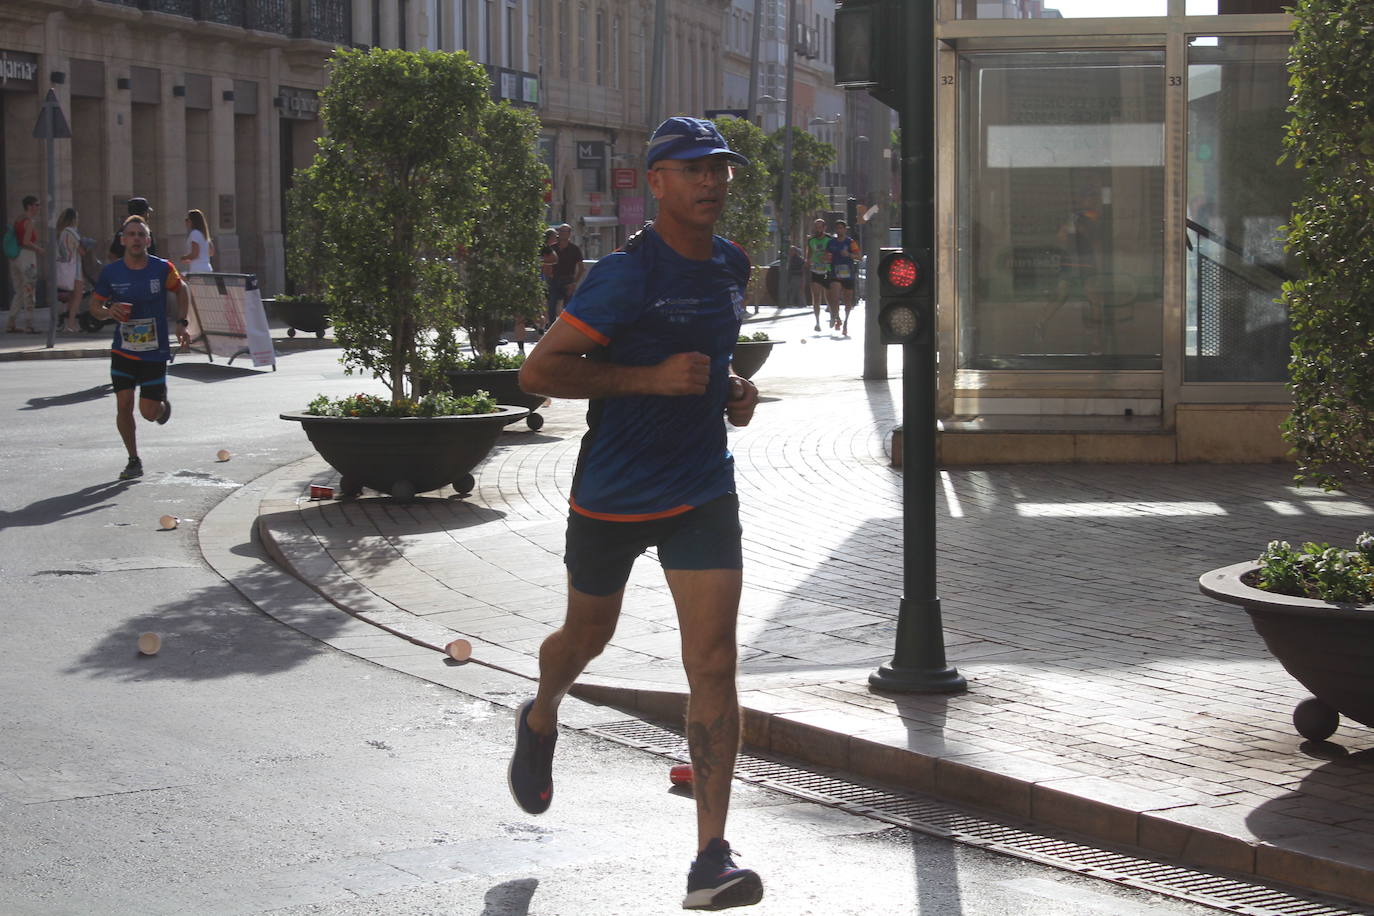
683	373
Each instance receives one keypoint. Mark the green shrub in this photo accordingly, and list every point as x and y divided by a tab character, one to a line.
1331	307
486	361
1320	571
757	337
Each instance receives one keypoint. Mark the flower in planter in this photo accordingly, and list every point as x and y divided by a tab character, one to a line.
1320	571
434	404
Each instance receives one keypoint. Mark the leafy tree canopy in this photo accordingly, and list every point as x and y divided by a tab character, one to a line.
390	198
745	221
810	157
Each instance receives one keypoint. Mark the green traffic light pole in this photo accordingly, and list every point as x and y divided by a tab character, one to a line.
918	663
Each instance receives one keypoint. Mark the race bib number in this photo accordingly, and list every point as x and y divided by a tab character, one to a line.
139	335
842	271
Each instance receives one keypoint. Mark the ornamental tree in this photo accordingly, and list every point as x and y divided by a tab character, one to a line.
744	221
1331	307
810	157
389	201
500	268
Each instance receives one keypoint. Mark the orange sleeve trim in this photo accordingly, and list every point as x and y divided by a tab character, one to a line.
611	517
173	278
585	328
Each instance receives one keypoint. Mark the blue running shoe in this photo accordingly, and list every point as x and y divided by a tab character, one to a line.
715	883
531	766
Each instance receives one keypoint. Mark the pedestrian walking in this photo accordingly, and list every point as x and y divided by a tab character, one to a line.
199	246
137	206
844	253
24	268
648	339
567	271
70	282
133	291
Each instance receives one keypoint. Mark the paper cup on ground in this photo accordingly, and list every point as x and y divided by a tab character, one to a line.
149	643
168	522
460	650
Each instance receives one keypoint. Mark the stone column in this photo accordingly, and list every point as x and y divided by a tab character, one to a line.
222	174
169	171
272	271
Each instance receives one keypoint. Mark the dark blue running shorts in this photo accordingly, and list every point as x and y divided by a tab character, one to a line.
599	554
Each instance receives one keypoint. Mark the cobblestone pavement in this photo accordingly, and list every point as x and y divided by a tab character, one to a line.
1106	695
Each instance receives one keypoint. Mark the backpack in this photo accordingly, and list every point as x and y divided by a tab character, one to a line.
11	243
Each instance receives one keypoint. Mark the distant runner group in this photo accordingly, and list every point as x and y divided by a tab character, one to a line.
832	260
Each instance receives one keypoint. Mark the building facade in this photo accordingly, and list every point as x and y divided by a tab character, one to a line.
1110	202
203	105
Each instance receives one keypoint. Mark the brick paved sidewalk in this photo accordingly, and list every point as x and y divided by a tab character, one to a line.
1105	694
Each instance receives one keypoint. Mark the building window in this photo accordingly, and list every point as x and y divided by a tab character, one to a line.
492	32
1235	7
601	47
1061	9
1061	228
615	53
513	37
582	53
1239	197
563	27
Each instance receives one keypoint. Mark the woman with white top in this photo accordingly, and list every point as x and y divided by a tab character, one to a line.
69	280
197	258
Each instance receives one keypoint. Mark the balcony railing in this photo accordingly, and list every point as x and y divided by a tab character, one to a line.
322	20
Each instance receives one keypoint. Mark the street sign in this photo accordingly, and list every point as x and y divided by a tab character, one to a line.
624	178
52	123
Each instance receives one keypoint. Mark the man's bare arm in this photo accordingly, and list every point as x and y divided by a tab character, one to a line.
557	367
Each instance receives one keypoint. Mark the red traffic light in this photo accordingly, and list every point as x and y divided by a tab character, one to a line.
901	272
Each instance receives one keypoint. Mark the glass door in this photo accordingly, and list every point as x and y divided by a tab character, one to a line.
1062	206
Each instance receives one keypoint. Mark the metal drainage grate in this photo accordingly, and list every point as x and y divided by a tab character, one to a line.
925	815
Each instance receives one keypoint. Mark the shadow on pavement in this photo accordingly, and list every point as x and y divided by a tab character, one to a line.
510	898
94	393
211	372
406	528
68	505
208	636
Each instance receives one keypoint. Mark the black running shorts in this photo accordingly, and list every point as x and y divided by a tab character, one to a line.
599	554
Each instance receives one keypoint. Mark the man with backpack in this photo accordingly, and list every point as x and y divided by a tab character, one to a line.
22	248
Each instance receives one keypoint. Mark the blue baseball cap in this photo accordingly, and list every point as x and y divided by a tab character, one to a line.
689	138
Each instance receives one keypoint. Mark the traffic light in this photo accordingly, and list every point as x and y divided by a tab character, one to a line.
907	310
868	48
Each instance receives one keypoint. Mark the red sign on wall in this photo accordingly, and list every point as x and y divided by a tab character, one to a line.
624	178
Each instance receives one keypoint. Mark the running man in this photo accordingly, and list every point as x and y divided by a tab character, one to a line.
844	252
818	259
648	337
133	291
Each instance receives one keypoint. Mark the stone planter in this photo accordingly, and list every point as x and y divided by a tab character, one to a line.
751	355
403	456
502	384
302	315
1328	647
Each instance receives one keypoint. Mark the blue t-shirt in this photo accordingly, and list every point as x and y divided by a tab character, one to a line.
144	335
842	256
653	456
